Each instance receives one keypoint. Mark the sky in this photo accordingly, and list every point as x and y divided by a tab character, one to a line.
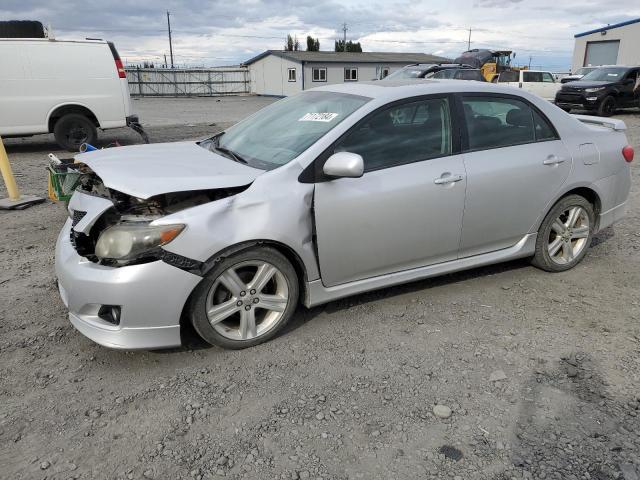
212	33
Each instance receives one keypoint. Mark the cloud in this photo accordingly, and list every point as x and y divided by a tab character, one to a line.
215	32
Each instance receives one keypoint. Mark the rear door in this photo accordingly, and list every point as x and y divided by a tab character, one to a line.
515	164
630	89
540	83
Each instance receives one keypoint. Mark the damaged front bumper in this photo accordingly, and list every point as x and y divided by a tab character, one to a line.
150	297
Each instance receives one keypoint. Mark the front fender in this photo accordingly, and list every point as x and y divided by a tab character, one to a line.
275	208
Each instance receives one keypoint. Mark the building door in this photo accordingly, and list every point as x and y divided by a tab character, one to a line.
601	53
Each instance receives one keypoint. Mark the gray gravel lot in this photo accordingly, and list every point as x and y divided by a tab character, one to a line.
539	372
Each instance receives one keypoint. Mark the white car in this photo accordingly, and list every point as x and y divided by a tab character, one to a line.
535	81
68	88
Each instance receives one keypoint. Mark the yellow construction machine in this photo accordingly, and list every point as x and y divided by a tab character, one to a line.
490	62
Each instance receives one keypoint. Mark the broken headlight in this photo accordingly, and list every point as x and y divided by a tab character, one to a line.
127	241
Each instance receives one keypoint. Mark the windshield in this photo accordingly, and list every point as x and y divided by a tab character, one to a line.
280	132
408	72
584	71
605	75
448	73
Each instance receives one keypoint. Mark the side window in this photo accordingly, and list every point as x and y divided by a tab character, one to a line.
544	130
532	77
292	74
547	77
468	75
401	134
509	76
494	122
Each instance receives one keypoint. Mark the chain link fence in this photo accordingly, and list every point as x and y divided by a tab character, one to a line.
204	82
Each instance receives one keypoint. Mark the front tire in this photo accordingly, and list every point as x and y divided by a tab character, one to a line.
565	234
607	107
74	129
246	299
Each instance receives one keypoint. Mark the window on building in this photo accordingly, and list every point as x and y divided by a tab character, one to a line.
350	74
319	74
406	133
292	74
385	72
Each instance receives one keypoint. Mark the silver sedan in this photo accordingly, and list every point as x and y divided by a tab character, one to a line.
329	193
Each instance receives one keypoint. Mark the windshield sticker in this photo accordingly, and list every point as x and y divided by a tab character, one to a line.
318	117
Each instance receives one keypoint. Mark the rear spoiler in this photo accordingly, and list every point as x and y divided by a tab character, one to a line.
611	123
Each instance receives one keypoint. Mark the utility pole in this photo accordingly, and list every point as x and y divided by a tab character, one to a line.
530	62
170	44
469	41
344	37
165	60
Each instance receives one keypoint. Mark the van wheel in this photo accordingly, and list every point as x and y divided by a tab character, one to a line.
74	129
565	234
246	299
607	107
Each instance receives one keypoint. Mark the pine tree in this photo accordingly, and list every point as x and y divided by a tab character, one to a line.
313	44
288	46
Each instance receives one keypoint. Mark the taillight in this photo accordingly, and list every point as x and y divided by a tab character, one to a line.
627	153
120	68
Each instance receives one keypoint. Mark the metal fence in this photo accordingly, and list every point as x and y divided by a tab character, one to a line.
168	82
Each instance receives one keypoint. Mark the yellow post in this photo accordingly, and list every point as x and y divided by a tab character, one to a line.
7	174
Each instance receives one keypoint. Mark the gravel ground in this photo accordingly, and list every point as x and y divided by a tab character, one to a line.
504	372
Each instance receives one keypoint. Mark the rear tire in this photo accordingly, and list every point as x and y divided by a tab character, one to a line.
74	129
246	299
607	107
565	234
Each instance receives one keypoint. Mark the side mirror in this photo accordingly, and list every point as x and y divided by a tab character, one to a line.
344	165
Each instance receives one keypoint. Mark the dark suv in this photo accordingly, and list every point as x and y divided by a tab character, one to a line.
603	90
422	70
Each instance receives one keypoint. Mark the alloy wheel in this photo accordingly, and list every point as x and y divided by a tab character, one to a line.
247	300
568	235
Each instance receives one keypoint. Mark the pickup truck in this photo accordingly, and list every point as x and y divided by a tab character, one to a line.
535	81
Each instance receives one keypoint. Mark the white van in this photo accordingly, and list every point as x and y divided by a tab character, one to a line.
540	82
68	88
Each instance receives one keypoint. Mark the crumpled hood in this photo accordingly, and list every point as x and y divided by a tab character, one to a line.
147	170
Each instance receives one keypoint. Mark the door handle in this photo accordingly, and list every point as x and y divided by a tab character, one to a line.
553	160
444	180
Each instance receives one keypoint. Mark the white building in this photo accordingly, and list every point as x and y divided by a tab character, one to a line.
617	44
282	73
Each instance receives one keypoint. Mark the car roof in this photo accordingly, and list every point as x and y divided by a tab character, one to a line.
390	90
